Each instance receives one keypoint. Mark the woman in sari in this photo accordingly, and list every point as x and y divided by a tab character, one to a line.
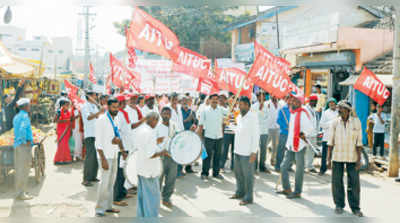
64	124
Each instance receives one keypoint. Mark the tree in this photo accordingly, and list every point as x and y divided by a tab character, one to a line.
191	23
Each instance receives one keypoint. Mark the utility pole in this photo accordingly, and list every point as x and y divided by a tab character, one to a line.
87	16
395	119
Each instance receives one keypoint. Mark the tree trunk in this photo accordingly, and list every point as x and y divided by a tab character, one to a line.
395	120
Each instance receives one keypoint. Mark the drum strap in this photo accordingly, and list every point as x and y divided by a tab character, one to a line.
116	132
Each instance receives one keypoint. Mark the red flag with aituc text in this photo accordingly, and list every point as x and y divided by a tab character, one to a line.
71	89
190	63
270	72
369	84
122	77
148	34
92	78
234	80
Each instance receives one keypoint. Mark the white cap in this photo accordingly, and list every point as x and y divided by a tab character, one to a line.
23	101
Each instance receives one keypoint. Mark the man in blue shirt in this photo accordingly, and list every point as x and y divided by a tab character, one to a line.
23	140
283	122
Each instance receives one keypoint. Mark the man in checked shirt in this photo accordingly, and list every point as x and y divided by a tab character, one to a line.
344	149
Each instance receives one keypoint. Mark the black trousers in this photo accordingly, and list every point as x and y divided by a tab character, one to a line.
213	148
119	190
353	185
229	140
324	157
91	165
379	140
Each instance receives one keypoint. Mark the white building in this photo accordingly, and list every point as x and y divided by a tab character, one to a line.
56	53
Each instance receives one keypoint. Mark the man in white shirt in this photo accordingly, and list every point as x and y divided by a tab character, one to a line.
312	139
211	120
148	167
166	130
108	143
260	109
149	106
379	119
176	112
90	113
247	138
300	126
273	107
327	118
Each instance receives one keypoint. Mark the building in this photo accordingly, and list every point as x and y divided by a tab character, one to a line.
55	53
326	45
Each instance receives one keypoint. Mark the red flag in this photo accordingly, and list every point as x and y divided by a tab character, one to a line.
231	79
190	63
73	94
369	84
131	51
148	34
71	89
108	84
207	86
121	76
271	73
92	78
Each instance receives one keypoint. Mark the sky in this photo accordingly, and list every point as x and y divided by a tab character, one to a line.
51	19
54	18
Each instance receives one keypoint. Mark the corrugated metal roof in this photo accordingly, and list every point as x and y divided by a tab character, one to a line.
265	15
387	80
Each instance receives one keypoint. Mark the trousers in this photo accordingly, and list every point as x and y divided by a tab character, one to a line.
281	151
310	152
168	178
229	142
105	191
213	148
120	191
91	165
353	185
290	157
379	140
244	174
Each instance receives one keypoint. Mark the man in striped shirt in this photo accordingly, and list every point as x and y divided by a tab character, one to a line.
344	149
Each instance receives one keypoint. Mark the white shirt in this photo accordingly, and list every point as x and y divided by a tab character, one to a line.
167	132
89	125
212	121
146	110
125	130
247	135
146	142
328	116
314	120
272	114
262	117
201	109
176	117
104	136
306	126
379	127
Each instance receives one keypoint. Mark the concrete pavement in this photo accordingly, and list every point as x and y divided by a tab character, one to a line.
62	195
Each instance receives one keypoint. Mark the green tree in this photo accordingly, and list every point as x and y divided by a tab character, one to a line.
191	23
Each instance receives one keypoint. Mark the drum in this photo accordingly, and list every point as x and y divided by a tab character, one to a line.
185	147
130	169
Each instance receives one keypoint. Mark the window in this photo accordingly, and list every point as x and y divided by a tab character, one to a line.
21	49
35	49
51	51
59	68
61	51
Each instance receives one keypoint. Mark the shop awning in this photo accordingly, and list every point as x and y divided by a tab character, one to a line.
16	67
387	80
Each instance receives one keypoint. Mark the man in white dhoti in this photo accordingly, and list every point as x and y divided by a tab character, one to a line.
148	167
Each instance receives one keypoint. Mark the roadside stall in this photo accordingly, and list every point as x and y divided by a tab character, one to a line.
12	70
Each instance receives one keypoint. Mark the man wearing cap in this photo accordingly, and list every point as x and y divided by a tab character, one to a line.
312	138
328	116
90	113
344	150
149	106
300	126
23	140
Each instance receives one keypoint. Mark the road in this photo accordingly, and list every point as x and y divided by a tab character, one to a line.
62	195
